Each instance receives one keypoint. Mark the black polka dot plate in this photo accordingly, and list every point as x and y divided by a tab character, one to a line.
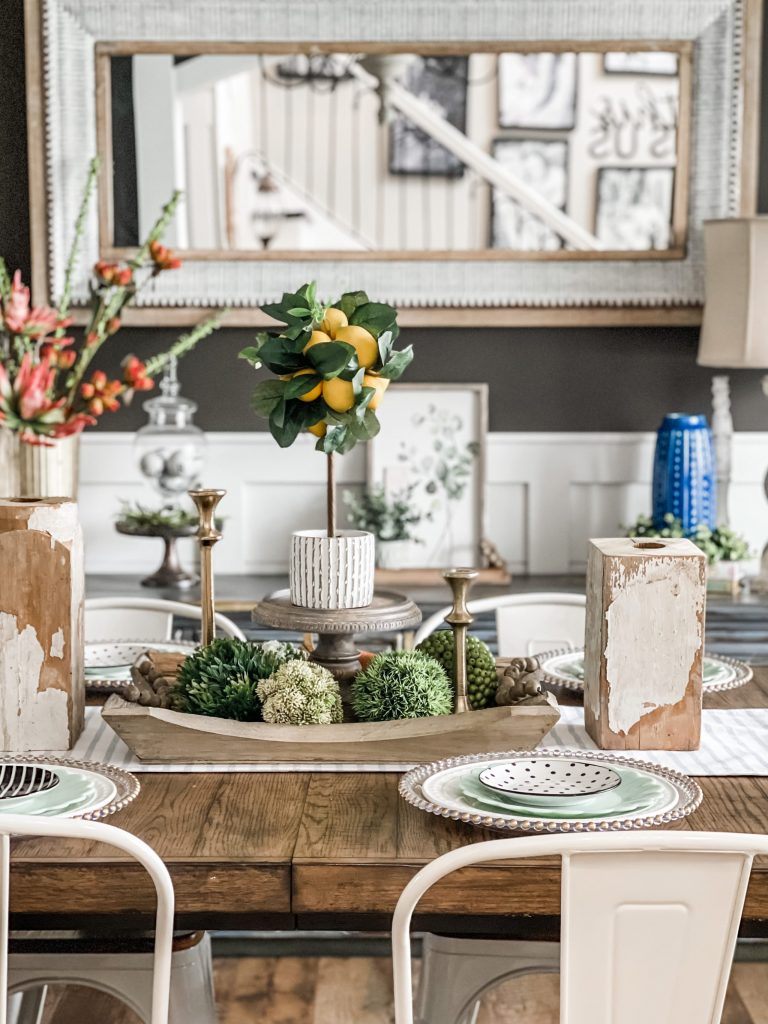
542	781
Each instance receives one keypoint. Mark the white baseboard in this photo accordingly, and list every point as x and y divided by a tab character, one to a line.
546	493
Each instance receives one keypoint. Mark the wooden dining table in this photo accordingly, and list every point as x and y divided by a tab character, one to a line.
323	850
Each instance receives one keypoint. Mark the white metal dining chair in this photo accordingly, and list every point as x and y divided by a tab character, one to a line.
145	618
526	624
649	922
154	1010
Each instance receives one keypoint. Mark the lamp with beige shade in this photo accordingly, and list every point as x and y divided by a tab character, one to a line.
734	331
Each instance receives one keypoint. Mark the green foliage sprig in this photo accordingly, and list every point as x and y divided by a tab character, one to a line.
401	684
719	545
221	679
300	693
284	353
387	519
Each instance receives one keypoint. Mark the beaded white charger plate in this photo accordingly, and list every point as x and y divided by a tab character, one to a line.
57	787
659	795
565	668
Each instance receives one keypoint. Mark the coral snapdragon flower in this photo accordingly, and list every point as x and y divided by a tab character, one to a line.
101	393
163	257
113	273
135	375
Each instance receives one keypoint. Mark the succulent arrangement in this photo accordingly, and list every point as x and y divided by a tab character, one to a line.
300	693
481	665
719	545
401	684
221	680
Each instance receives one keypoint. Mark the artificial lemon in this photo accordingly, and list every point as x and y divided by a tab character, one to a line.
339	394
318	429
309	396
363	343
379	384
317	338
333	320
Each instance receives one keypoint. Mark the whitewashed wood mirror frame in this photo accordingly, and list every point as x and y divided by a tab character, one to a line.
718	47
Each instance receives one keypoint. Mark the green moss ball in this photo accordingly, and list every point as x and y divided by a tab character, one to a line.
401	684
482	679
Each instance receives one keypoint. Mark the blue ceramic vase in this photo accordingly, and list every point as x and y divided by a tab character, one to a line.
684	472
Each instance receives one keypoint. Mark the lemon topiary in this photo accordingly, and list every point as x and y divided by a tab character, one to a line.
482	679
401	684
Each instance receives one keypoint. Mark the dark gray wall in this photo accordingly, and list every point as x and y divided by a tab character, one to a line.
541	379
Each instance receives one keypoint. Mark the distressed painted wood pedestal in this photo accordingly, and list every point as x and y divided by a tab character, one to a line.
42	689
644	644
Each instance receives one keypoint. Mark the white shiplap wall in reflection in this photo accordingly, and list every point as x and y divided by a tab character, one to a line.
545	495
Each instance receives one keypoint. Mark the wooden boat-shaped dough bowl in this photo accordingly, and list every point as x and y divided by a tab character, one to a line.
159	736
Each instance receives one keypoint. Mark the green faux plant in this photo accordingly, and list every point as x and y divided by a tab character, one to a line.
719	545
332	363
401	684
482	679
388	519
300	693
220	680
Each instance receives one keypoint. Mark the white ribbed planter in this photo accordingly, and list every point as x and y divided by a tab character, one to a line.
332	572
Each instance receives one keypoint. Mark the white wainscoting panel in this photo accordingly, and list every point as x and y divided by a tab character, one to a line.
546	493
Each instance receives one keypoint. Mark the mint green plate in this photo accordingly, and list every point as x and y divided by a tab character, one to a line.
83	790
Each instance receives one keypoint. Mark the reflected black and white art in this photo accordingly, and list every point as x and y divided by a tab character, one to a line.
634	207
642	62
441	82
537	90
544	166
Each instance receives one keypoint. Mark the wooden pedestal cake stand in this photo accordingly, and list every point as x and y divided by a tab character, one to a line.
336	649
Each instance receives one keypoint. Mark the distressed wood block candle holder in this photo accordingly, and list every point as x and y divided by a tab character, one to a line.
42	688
644	644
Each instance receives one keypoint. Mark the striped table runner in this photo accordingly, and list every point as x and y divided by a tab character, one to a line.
734	742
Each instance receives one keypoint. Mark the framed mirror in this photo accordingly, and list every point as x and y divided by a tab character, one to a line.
530	175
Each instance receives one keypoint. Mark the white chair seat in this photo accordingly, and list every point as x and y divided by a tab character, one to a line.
526	624
143	618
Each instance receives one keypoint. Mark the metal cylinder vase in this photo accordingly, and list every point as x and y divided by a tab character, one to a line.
684	472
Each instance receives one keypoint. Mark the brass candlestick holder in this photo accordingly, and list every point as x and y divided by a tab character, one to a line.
207	535
460	580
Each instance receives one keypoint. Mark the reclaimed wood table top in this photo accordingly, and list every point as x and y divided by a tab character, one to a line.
262	850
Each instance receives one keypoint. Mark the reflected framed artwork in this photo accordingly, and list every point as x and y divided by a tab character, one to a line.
542	164
634	206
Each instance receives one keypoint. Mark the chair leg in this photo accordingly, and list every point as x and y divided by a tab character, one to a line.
31	1005
192	997
456	972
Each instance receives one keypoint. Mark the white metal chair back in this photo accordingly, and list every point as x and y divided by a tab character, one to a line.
143	618
93	831
526	624
649	921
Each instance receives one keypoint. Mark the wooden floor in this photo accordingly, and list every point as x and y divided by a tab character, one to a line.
327	990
